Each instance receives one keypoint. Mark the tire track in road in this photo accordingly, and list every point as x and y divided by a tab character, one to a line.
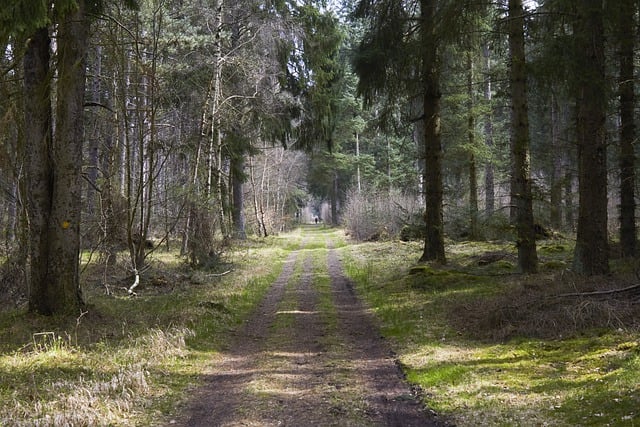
310	355
219	400
389	399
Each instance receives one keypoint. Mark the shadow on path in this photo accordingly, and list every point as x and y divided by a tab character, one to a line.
308	356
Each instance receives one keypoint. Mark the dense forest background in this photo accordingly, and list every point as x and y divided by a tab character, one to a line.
128	127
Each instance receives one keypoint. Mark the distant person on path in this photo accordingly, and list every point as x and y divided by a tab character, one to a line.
316	219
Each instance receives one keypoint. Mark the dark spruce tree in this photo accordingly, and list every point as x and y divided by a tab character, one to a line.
521	169
591	255
53	158
398	59
625	27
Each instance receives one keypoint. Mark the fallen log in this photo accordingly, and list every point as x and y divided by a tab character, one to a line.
599	293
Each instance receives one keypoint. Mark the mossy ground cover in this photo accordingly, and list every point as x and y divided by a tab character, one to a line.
491	347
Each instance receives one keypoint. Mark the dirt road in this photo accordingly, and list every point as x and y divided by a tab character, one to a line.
310	355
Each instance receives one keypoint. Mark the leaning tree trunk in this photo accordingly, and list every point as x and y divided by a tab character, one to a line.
434	233
521	170
591	255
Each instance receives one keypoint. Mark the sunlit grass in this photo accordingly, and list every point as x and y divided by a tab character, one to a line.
127	360
570	382
586	378
62	384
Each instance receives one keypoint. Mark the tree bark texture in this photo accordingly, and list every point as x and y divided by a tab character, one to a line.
489	173
434	240
628	232
237	208
67	160
54	165
591	255
471	135
38	165
556	178
334	198
521	169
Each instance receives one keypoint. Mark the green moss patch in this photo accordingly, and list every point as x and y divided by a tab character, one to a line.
503	348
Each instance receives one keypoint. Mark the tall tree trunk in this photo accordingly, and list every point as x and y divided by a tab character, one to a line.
418	139
54	166
264	189
591	255
521	170
94	138
628	232
471	135
258	209
222	190
334	199
216	151
358	178
64	227
555	202
434	233
191	195
38	165
237	208
12	213
569	214
389	178
489	174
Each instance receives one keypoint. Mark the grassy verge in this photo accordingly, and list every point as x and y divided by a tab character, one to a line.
489	347
128	361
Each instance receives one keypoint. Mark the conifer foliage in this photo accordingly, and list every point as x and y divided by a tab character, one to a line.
129	126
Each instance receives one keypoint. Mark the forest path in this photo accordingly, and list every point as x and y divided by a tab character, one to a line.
310	355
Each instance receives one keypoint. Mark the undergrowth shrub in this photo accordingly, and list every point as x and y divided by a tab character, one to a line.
548	306
379	216
204	250
496	226
12	278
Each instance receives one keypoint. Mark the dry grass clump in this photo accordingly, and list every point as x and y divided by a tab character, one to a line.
165	344
110	384
80	402
549	306
373	217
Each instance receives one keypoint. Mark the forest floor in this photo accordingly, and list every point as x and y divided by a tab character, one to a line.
288	331
311	355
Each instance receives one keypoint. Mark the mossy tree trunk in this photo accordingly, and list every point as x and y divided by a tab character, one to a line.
38	165
54	165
